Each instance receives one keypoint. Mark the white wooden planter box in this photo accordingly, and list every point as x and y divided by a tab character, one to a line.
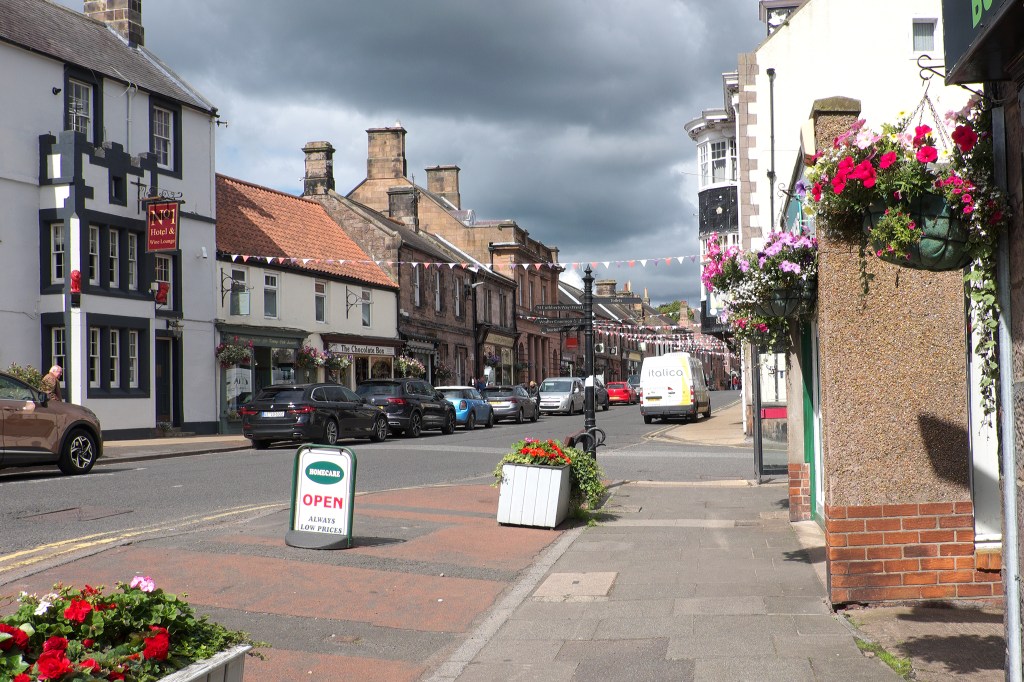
223	667
533	495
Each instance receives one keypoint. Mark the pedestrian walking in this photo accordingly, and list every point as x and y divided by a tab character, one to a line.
50	384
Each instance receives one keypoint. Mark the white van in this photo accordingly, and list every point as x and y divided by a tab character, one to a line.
673	387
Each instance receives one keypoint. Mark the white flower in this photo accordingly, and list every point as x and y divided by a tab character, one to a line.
43	607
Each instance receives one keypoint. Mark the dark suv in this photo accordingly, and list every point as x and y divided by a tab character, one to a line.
410	404
35	430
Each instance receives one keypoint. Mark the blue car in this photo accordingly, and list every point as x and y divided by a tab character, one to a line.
470	407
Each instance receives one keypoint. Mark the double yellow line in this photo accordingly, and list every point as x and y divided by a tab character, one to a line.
87	543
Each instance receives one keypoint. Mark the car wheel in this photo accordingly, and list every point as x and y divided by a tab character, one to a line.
260	444
449	424
519	416
330	432
490	420
79	453
380	431
648	419
707	412
415	426
535	416
471	421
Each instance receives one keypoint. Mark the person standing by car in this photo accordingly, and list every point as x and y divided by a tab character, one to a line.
534	392
50	384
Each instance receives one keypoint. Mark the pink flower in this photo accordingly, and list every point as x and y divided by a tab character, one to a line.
967	198
920	133
865	172
888	159
144	583
927	154
816	191
965	138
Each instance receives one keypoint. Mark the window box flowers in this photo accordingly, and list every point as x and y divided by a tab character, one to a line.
309	357
233	353
764	290
541	482
138	633
922	198
336	362
492	359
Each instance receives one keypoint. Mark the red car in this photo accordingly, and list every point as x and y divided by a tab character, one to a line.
622	392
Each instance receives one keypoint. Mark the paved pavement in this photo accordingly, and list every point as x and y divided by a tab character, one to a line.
700	581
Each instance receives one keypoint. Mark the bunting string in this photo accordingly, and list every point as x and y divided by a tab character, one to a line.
466	265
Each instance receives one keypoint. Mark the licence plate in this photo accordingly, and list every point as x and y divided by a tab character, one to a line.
503	404
654	397
271	414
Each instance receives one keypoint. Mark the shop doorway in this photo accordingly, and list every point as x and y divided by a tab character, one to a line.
163	384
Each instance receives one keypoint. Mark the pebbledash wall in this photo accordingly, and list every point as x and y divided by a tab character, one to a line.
899	517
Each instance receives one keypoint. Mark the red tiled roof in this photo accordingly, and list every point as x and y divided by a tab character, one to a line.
258	221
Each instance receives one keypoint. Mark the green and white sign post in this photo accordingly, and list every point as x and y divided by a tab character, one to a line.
323	487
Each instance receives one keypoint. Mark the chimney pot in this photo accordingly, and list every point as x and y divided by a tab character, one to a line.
444	181
319	168
124	16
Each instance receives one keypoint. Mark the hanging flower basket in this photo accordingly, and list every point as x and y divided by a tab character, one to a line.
944	240
789	301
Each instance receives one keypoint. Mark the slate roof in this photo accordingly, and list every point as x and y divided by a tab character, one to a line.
258	221
71	37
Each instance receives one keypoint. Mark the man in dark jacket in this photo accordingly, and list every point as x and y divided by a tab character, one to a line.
50	384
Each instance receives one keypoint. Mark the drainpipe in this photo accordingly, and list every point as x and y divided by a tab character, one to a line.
771	170
1007	436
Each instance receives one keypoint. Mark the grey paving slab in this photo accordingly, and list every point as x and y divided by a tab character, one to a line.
743	589
827	624
699	647
721	605
753	670
641	590
527	629
517	672
810	605
624	608
519	651
648	671
750	626
647	628
806	646
832	669
621	655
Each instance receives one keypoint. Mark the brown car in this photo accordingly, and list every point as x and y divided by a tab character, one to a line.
35	430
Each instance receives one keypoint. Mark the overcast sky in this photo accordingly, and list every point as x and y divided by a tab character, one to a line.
564	115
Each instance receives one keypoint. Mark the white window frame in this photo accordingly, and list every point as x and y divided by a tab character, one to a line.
94	357
366	299
163	271
93	270
437	290
80	97
163	136
415	286
133	261
702	160
459	284
114	258
58	252
930	36
519	291
238	301
320	301
719	161
58	348
133	358
270	289
114	356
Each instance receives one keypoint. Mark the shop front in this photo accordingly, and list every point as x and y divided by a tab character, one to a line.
370	358
499	358
424	349
272	362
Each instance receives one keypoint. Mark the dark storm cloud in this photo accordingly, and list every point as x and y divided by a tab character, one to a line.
565	115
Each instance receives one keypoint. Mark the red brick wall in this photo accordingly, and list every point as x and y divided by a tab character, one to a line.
906	552
799	492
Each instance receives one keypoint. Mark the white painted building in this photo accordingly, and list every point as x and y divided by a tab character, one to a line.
92	123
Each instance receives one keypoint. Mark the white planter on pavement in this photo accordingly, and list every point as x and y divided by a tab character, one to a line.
227	666
533	495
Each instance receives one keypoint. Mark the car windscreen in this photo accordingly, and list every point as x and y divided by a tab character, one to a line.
369	390
617	387
556	386
503	392
282	395
455	393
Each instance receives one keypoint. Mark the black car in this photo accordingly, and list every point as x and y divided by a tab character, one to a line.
321	413
411	405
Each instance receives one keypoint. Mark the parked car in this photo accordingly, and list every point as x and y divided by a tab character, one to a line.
35	430
411	405
622	392
512	402
561	394
634	381
471	408
320	413
601	401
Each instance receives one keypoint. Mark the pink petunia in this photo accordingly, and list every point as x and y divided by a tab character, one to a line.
888	159
927	154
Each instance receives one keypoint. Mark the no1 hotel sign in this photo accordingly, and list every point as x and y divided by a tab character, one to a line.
323	487
162	225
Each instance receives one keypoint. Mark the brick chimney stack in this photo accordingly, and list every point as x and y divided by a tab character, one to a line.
605	287
444	181
124	16
386	153
319	168
403	205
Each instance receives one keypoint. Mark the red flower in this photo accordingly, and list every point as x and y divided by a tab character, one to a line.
816	191
839	184
17	638
927	154
23	677
920	133
89	665
157	645
53	665
55	644
845	166
865	172
965	138
888	159
87	643
78	610
89	591
115	676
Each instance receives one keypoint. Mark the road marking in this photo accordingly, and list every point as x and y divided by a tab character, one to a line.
86	542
